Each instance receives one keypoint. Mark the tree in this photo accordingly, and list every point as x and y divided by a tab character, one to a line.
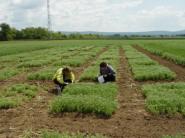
6	32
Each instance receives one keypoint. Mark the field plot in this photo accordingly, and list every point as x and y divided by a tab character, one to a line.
87	98
126	108
144	68
167	98
171	50
14	95
111	56
73	59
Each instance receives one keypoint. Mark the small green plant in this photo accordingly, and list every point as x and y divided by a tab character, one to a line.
7	73
13	96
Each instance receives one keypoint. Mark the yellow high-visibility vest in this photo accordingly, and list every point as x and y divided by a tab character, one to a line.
59	76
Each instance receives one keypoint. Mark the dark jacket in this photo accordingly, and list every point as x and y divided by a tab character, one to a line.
107	70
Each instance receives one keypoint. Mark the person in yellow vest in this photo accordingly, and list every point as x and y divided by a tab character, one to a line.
63	77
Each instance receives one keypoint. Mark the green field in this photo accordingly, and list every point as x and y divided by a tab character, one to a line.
27	68
170	50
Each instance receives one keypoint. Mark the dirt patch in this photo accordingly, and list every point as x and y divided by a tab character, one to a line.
179	70
130	120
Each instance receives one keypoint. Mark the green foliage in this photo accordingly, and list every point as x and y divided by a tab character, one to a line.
152	72
172	50
87	98
44	74
7	73
91	73
144	68
13	95
36	63
108	91
6	32
167	98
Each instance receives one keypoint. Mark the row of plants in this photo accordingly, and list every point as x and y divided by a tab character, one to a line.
167	52
111	56
167	98
14	64
87	98
144	68
72	61
14	95
99	99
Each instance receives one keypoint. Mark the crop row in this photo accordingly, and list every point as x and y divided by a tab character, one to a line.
73	61
14	64
176	58
86	98
90	97
144	68
14	95
167	98
111	56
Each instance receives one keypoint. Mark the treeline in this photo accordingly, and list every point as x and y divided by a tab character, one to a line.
38	33
9	33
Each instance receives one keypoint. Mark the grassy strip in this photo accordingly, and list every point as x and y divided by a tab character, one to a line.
144	68
44	74
13	96
167	52
7	73
91	73
167	98
87	98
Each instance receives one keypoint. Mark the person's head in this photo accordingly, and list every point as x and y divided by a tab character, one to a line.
103	65
67	70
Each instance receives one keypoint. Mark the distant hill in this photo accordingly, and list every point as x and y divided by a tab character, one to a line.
152	33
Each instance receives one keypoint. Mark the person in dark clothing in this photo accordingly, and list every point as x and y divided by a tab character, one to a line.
108	73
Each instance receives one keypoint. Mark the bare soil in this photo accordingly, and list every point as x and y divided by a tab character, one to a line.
131	120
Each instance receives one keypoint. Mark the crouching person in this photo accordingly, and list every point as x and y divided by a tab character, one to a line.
107	73
63	77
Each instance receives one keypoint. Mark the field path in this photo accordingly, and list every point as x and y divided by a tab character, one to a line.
179	70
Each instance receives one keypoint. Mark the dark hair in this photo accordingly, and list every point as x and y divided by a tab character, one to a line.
66	70
103	64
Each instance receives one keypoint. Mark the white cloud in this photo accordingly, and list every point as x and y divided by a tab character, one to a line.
95	15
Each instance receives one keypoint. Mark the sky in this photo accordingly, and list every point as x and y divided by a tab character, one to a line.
96	15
